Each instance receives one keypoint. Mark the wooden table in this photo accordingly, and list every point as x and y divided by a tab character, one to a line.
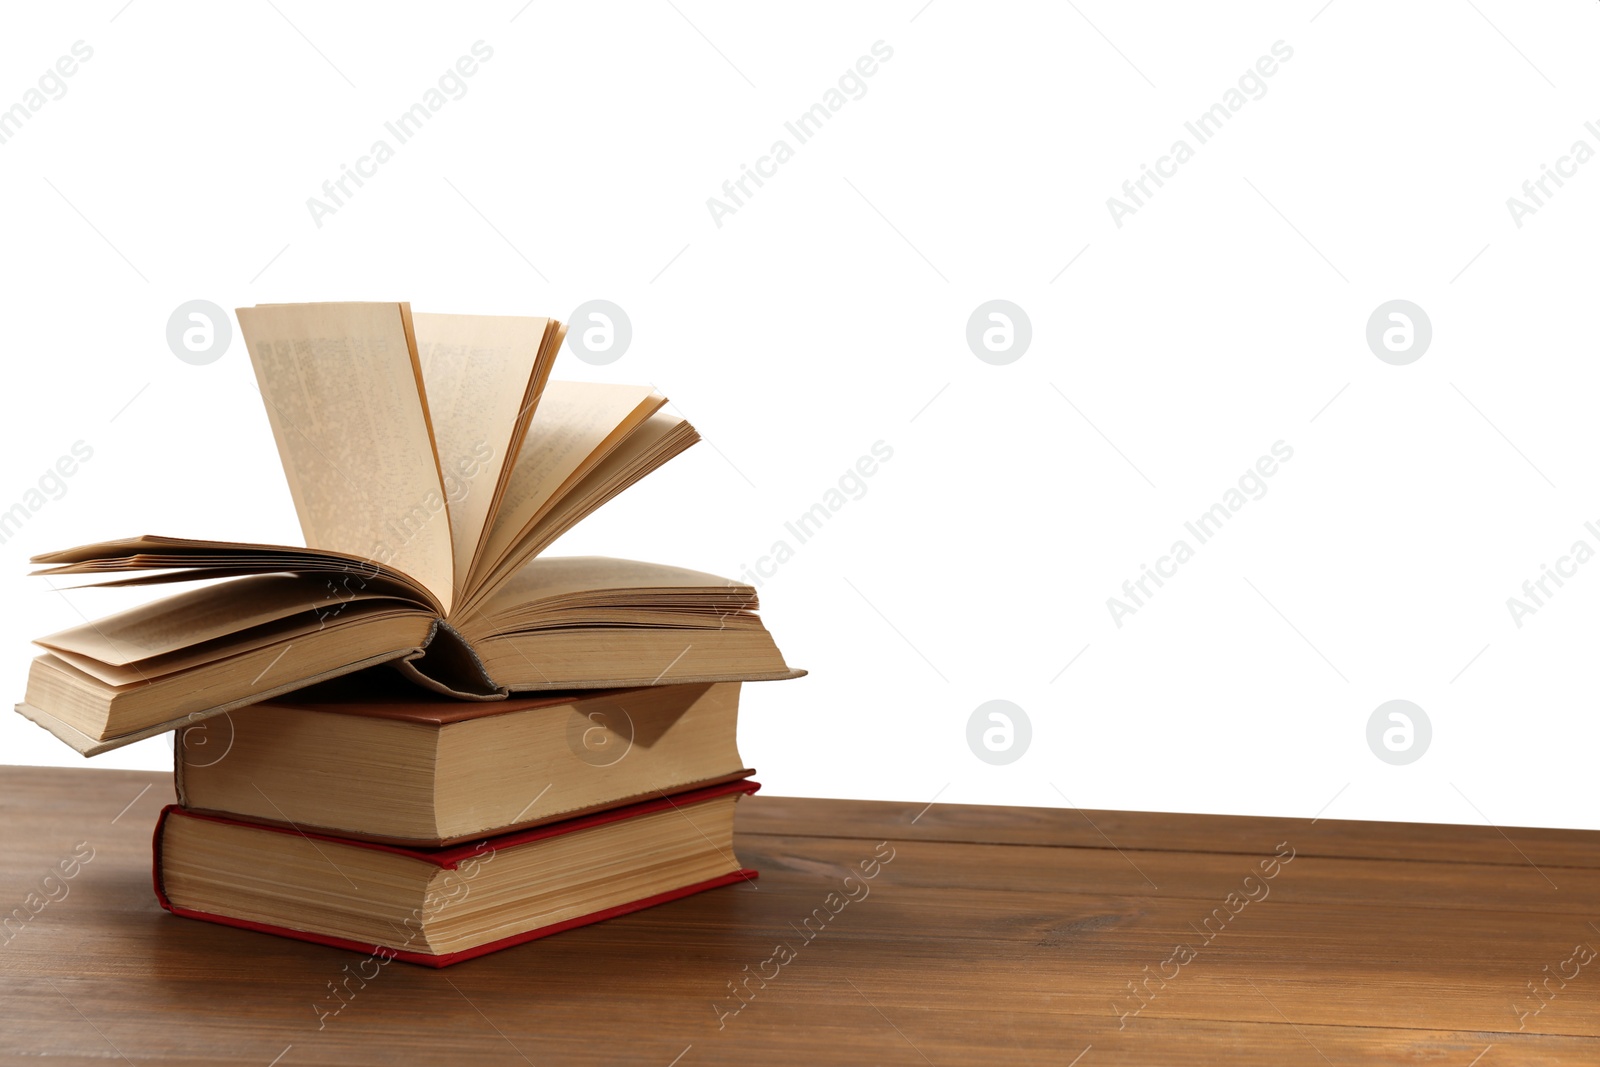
994	935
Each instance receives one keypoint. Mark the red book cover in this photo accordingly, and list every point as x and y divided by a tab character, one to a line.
451	858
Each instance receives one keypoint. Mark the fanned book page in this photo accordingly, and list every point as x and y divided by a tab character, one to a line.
577	425
431	460
342	387
484	375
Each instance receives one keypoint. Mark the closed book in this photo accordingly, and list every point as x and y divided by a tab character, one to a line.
437	907
376	758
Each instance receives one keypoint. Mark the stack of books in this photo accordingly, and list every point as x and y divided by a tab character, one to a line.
418	736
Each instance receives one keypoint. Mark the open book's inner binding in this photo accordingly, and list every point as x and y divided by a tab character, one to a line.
448	664
430	459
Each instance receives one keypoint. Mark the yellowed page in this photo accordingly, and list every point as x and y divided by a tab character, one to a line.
309	632
344	396
484	374
656	440
603	579
575	426
215	611
659	438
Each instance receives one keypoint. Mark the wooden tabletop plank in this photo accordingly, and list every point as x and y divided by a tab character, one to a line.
985	938
1207	877
480	1024
1168	831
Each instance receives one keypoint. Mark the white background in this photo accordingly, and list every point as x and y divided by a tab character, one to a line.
829	312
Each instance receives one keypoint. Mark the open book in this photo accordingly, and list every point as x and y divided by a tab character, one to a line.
431	459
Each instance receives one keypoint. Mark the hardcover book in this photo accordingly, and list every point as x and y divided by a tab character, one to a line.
440	906
431	460
371	756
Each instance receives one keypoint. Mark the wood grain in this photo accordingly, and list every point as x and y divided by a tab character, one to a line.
1000	935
